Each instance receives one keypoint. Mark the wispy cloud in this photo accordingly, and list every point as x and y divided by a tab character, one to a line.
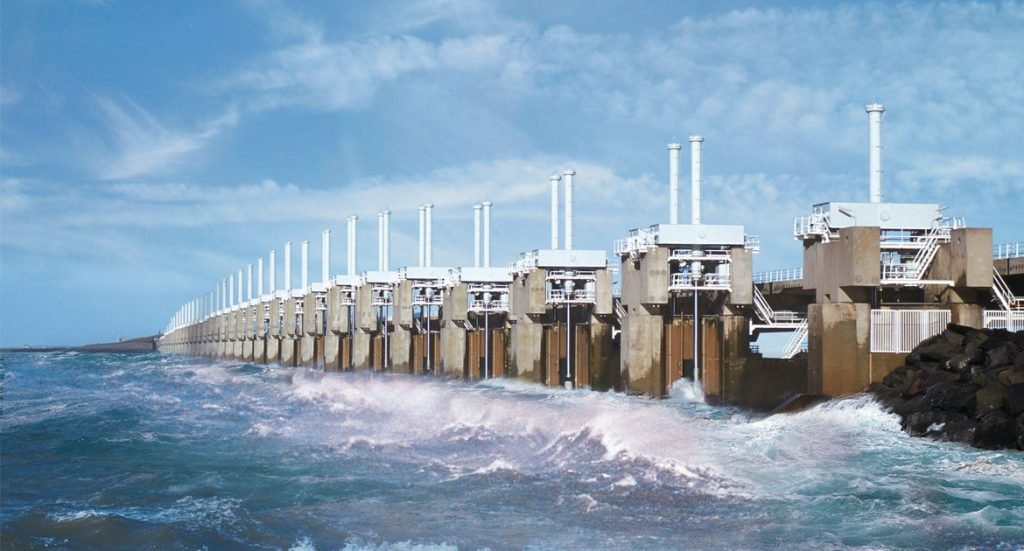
138	144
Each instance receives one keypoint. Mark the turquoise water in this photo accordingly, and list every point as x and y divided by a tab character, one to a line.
164	452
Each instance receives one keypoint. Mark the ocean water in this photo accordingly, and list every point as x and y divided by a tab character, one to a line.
166	452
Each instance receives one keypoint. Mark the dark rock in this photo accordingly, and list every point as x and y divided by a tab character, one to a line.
996	430
896	377
962	385
1010	377
912	388
1013	399
1020	432
939	348
931	422
963	361
1001	356
906	407
960	329
951	396
933	377
988	399
961	431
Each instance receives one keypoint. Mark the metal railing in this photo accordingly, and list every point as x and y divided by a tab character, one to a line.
686	255
1008	250
752	243
786	274
577	296
1002	319
797	341
899	331
814	225
489	306
638	241
707	282
1004	294
913	271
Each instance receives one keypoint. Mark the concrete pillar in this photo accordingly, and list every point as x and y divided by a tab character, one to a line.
400	348
641	345
838	348
525	350
453	351
361	343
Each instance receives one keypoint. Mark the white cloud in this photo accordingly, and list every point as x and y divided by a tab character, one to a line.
138	144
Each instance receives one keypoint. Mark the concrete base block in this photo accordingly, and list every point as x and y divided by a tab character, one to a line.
332	350
526	349
400	346
838	348
453	352
273	350
307	351
247	350
361	343
288	351
641	364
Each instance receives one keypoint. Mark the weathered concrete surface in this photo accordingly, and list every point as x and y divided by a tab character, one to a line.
641	362
361	344
838	348
400	350
526	349
332	351
453	350
844	269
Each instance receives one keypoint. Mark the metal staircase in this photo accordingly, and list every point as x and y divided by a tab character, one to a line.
912	272
1004	295
797	341
780	320
772	319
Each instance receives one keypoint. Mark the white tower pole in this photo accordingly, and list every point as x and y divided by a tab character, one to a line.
695	177
352	246
325	257
673	185
239	286
875	111
428	247
231	289
380	241
248	286
259	277
305	264
555	178
287	265
568	174
387	239
476	235
273	272
423	236
487	234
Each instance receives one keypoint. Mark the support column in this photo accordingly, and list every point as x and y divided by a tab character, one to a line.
838	348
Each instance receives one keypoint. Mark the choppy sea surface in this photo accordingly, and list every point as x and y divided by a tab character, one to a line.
166	452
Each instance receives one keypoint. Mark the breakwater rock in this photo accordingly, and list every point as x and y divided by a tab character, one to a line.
964	385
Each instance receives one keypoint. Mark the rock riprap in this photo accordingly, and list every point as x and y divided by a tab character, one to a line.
964	385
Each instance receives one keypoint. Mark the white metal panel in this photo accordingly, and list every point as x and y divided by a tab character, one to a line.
887	216
485	275
699	234
899	331
1002	319
571	259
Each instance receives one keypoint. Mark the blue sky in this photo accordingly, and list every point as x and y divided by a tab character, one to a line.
149	149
